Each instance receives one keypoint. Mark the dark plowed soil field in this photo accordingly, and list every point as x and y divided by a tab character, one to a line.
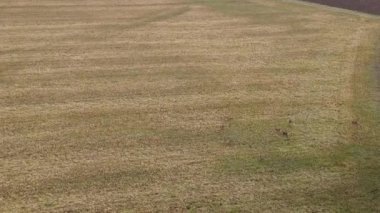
367	6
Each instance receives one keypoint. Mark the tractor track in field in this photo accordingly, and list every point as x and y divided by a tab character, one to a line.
377	69
366	6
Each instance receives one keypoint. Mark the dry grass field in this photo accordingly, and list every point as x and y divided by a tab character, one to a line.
187	105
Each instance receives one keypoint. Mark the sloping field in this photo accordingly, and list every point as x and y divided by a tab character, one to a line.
170	105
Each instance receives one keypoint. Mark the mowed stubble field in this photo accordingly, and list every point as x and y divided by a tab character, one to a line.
170	105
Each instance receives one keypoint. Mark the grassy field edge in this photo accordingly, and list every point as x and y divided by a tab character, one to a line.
333	9
366	127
